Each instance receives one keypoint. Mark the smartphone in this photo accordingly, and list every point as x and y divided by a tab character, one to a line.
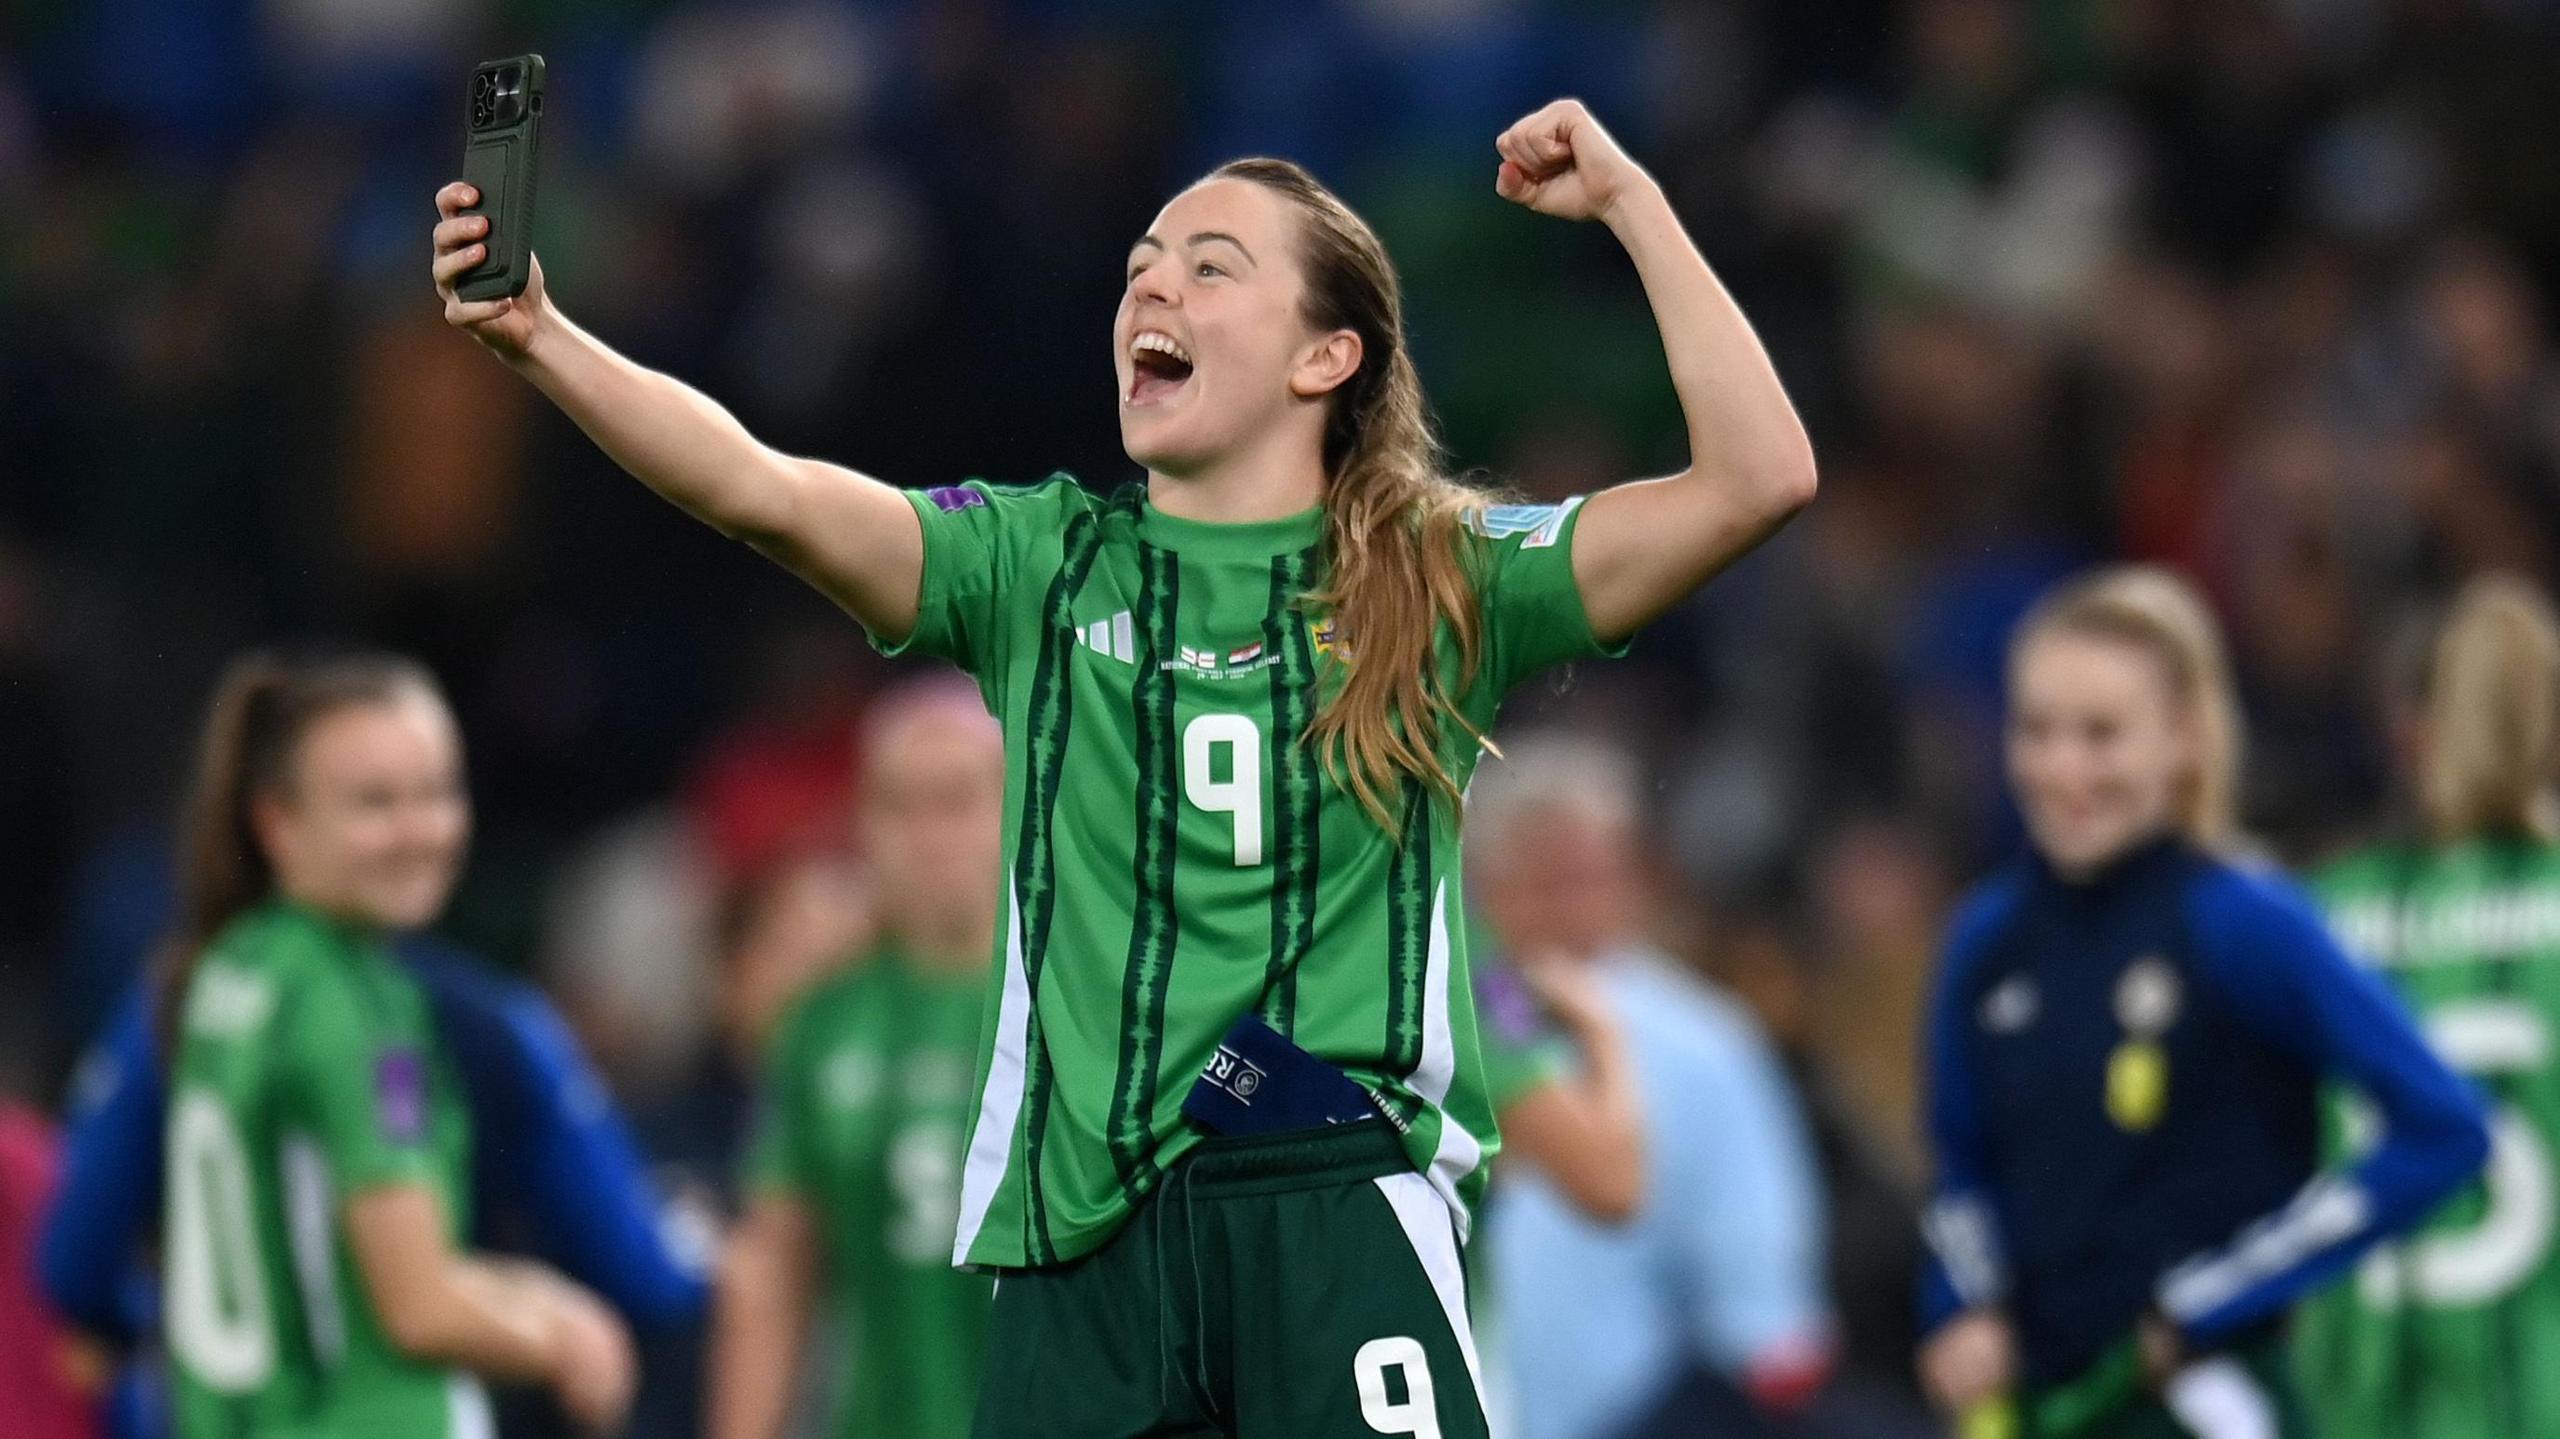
502	141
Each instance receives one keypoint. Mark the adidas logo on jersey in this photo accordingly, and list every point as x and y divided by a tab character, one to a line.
1114	637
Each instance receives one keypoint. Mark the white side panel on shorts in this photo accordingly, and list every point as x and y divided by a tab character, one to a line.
1426	1227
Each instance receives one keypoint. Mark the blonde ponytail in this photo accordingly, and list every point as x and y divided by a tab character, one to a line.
2493	715
1395	523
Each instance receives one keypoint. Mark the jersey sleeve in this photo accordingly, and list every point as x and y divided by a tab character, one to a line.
106	1196
981	542
361	1074
1962	1264
1520	1051
1531	608
2268	953
584	1184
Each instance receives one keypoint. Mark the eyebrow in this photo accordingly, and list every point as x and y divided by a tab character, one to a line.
1203	236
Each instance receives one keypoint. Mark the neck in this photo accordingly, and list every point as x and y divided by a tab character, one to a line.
956	940
2088	870
342	918
1282	475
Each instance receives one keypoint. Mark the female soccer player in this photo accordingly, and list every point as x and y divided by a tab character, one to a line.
2450	1334
2125	1050
316	1144
855	1173
1240	701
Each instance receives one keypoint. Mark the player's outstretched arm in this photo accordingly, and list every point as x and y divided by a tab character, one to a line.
1639	548
853	538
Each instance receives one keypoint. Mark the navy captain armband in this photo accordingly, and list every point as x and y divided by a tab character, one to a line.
1257	1082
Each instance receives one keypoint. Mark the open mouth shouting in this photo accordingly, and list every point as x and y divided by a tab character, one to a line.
1159	366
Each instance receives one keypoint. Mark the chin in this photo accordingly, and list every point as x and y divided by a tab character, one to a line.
409	909
1155	453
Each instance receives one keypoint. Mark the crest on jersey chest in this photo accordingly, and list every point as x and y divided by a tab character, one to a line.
2149	995
2011	1006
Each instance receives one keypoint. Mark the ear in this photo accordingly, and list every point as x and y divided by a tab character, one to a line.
1332	359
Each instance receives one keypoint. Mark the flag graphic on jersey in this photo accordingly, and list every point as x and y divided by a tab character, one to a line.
2450	1334
305	1072
1176	856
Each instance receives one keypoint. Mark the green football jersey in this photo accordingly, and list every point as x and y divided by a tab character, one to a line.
306	1072
1176	855
865	1110
2451	1334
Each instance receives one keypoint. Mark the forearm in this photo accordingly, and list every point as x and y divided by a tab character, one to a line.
1612	1109
756	1339
1741	426
672	437
491	1320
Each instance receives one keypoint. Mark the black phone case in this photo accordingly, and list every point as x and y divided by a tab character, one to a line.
502	129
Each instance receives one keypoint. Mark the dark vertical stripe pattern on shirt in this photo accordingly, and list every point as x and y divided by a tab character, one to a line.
1048	717
1152	929
1408	918
1294	833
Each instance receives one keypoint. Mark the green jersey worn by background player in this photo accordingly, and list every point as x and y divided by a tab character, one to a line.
868	1091
305	1072
2453	1334
866	1104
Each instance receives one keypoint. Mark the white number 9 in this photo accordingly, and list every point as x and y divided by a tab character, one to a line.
1240	793
1418	1415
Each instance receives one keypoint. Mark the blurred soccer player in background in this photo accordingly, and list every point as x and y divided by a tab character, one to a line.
1718	1273
554	1174
1241	700
2125	1049
317	1150
2455	1332
1567	1102
854	1174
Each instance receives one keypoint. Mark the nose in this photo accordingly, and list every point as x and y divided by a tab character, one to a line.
1154	284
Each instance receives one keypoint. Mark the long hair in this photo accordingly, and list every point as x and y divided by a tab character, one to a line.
2161	614
262	708
1394	521
2493	715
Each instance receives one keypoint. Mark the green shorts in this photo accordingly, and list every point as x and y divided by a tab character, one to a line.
1299	1286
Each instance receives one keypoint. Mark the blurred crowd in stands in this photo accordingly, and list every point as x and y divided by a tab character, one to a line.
2260	289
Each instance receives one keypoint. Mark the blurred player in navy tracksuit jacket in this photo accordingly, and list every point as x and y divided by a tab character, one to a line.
554	1173
2125	1049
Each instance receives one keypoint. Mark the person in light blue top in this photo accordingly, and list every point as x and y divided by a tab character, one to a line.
1720	1267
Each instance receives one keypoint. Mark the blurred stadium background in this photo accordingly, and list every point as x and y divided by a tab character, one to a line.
2255	288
